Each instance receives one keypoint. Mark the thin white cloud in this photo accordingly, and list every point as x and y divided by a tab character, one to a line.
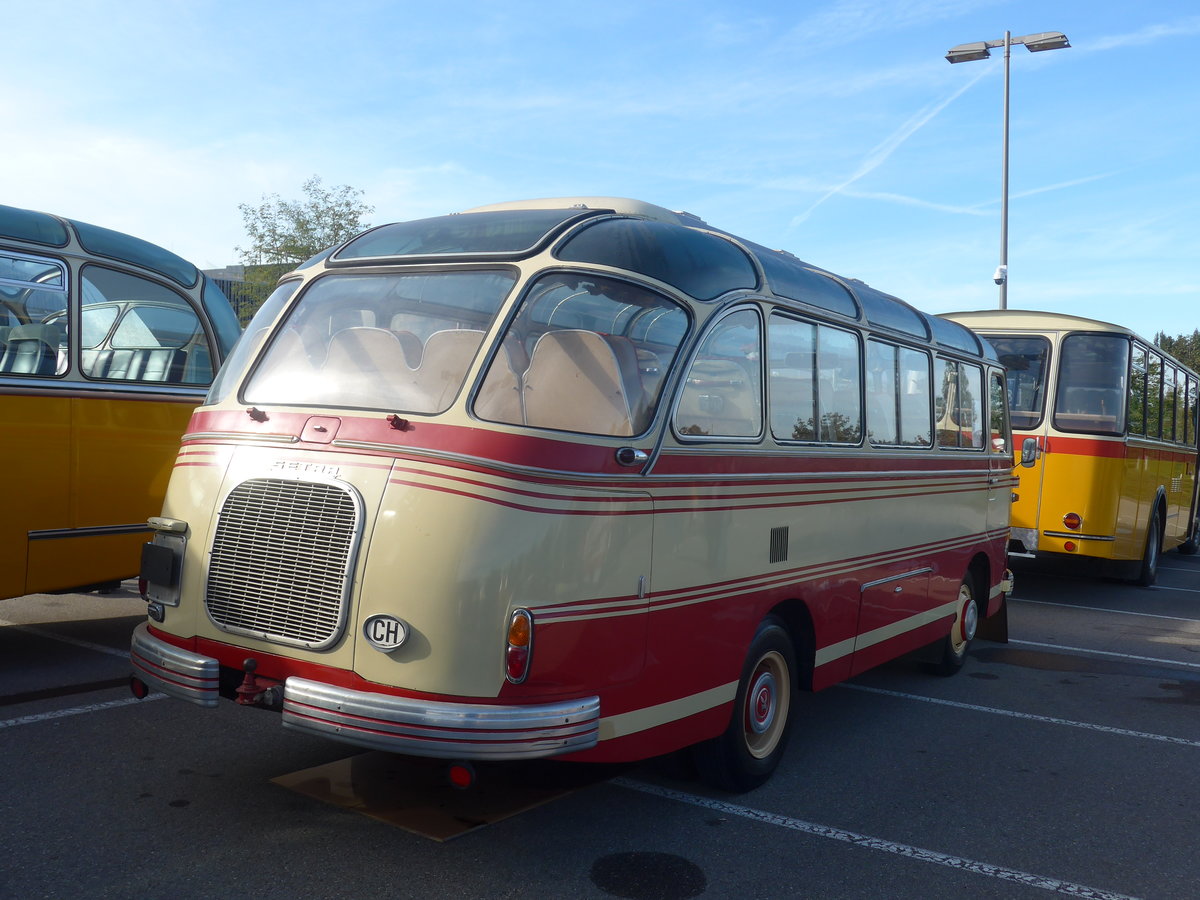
888	146
1147	35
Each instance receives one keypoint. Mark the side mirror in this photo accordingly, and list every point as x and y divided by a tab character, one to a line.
1029	452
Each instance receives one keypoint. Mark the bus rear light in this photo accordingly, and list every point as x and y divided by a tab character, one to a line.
1073	521
519	652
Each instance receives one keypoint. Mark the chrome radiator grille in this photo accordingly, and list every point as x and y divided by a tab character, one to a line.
282	559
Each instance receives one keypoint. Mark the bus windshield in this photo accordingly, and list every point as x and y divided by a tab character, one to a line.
1027	359
1092	383
397	342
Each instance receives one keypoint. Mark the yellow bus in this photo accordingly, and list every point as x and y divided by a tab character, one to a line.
107	343
1115	422
578	477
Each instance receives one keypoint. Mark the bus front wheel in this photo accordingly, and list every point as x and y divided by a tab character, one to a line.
746	754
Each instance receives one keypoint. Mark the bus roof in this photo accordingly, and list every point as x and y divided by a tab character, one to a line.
1010	320
666	251
1033	320
56	232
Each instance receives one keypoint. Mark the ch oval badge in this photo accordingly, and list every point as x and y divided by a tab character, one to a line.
384	632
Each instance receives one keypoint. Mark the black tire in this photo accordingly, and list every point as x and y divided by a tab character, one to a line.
1192	544
966	621
1149	571
748	752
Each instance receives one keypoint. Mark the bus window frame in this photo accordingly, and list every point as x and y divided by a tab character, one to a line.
680	384
791	314
1049	360
1121	421
897	347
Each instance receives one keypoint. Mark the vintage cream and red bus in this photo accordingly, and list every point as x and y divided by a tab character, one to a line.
1115	422
107	344
577	477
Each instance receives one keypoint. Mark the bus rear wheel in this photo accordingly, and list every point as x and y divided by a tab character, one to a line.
746	754
1149	571
966	620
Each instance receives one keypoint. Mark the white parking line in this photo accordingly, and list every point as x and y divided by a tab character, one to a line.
1150	659
76	711
873	843
50	635
1123	612
1013	714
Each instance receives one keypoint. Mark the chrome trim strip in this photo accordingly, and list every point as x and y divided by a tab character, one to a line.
1079	537
870	584
47	534
240	436
175	672
439	729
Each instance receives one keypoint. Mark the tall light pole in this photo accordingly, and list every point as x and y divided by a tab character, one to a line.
1044	40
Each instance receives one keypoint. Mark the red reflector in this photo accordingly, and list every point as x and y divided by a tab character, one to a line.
143	585
1069	546
516	663
138	687
461	775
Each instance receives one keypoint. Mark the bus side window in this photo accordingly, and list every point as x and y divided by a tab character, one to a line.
721	394
998	414
959	407
157	338
33	309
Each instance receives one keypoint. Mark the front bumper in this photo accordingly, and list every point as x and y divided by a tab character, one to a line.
383	721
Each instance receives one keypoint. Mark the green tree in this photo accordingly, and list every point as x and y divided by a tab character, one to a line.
287	232
1185	347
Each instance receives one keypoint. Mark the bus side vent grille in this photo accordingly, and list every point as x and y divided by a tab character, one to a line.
282	559
779	544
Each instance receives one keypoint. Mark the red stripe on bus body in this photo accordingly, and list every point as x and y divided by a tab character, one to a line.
652	506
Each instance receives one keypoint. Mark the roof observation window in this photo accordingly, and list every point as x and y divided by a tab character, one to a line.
510	232
697	262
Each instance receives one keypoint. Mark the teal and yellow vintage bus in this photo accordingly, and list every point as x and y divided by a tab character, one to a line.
107	344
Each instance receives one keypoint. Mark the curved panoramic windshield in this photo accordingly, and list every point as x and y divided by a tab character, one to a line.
585	354
400	342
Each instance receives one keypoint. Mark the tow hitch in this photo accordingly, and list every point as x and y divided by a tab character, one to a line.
257	691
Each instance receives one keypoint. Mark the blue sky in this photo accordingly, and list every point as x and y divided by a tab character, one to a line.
831	128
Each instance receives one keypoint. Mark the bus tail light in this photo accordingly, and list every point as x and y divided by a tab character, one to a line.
519	652
1073	521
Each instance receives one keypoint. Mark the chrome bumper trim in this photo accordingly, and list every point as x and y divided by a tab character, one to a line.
439	729
176	673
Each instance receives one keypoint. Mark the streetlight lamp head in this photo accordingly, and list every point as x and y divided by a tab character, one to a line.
1046	40
968	52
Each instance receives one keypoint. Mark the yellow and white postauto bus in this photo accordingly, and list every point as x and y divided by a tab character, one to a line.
1115	421
577	477
107	344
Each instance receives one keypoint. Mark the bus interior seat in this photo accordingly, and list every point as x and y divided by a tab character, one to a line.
31	350
370	364
719	398
362	348
583	381
158	364
444	363
500	398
